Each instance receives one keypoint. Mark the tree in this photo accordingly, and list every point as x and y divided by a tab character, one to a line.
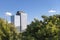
48	29
7	31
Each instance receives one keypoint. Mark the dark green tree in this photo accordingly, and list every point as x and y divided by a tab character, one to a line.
48	29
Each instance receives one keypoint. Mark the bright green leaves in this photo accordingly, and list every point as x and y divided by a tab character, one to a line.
8	31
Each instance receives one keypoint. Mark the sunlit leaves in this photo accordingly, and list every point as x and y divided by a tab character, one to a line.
8	31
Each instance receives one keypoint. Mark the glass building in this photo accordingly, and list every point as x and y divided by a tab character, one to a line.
20	21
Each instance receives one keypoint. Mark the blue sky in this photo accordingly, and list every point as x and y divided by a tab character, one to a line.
34	8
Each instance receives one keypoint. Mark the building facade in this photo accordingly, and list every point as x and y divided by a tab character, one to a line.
20	21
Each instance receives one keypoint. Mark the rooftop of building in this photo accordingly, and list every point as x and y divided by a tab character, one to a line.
19	12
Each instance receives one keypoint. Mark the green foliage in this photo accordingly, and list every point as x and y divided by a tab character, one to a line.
48	29
8	31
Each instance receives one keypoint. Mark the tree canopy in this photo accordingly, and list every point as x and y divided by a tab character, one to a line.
8	31
48	29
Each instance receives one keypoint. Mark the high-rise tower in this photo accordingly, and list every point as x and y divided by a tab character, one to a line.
20	21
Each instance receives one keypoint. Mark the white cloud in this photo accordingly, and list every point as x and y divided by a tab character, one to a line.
52	11
8	14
